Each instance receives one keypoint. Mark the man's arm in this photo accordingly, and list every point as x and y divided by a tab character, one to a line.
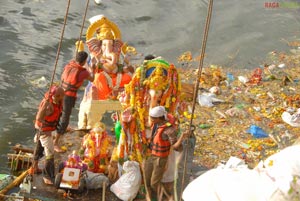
88	74
43	111
176	143
91	76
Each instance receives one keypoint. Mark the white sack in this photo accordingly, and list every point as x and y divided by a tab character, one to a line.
128	185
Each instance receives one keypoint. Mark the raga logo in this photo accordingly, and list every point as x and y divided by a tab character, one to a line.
285	4
271	4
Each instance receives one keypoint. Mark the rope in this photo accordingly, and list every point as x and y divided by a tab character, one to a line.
59	45
200	66
82	26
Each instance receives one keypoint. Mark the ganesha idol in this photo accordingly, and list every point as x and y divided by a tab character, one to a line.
159	83
96	149
103	39
155	82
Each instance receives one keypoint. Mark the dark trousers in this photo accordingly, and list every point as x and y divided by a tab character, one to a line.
49	170
38	151
68	104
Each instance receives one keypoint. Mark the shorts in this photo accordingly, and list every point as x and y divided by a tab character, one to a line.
44	145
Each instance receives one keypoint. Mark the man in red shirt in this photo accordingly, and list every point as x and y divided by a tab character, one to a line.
72	78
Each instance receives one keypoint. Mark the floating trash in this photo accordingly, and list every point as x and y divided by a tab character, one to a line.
40	82
257	132
243	79
98	2
293	120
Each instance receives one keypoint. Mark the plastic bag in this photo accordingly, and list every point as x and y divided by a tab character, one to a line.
257	132
128	185
292	120
205	99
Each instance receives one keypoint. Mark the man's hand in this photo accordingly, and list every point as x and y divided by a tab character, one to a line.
45	104
94	61
185	135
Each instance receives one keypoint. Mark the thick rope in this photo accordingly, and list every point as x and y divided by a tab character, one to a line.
200	66
82	26
59	44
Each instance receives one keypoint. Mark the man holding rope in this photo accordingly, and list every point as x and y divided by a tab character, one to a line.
164	136
47	117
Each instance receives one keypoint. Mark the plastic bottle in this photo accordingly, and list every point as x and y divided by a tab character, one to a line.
204	126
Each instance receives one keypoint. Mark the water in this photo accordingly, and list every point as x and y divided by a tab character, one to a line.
241	34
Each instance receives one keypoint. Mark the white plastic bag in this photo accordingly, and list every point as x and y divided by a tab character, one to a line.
128	185
205	99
